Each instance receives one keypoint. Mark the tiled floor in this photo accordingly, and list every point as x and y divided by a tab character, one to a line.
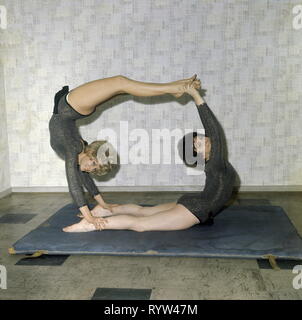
114	277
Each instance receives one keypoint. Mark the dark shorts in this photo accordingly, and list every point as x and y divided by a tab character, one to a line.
57	98
197	206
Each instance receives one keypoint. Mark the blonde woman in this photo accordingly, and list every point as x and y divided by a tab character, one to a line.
81	158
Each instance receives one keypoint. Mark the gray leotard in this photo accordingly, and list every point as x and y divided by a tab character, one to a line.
220	175
67	142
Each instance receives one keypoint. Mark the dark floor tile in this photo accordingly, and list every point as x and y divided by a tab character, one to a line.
16	218
121	294
44	260
252	202
283	264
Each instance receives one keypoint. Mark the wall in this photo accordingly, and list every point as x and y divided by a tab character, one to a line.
246	53
4	152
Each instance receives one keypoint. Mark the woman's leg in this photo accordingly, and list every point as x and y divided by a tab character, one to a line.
87	96
137	210
177	218
133	209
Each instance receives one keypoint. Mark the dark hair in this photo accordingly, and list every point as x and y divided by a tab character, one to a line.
186	148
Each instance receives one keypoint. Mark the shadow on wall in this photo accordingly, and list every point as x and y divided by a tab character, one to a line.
116	168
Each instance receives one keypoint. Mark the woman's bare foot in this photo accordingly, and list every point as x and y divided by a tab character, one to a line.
82	226
98	212
177	88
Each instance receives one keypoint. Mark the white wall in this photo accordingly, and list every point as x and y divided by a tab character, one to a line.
246	53
4	152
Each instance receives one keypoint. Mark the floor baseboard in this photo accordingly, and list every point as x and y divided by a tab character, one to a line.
294	188
5	192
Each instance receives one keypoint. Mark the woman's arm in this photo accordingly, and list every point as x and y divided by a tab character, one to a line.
75	189
212	128
197	98
93	190
103	204
75	184
89	183
100	200
90	186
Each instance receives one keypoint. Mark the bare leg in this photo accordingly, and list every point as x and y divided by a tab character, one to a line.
177	218
86	97
137	210
132	209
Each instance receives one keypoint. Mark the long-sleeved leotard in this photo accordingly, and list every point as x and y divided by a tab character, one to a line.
67	142
220	174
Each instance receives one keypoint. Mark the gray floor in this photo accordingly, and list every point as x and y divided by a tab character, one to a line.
78	277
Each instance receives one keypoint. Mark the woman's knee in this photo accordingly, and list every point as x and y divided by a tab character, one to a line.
121	77
122	83
139	224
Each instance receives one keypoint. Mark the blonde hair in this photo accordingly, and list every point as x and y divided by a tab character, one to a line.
92	151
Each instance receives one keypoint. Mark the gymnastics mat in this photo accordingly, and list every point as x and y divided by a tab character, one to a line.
238	232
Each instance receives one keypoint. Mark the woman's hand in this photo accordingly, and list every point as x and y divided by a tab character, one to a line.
102	203
109	206
192	91
99	211
99	223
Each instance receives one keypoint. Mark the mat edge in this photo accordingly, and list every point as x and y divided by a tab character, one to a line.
143	254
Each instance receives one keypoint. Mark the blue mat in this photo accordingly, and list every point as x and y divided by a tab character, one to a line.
238	232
